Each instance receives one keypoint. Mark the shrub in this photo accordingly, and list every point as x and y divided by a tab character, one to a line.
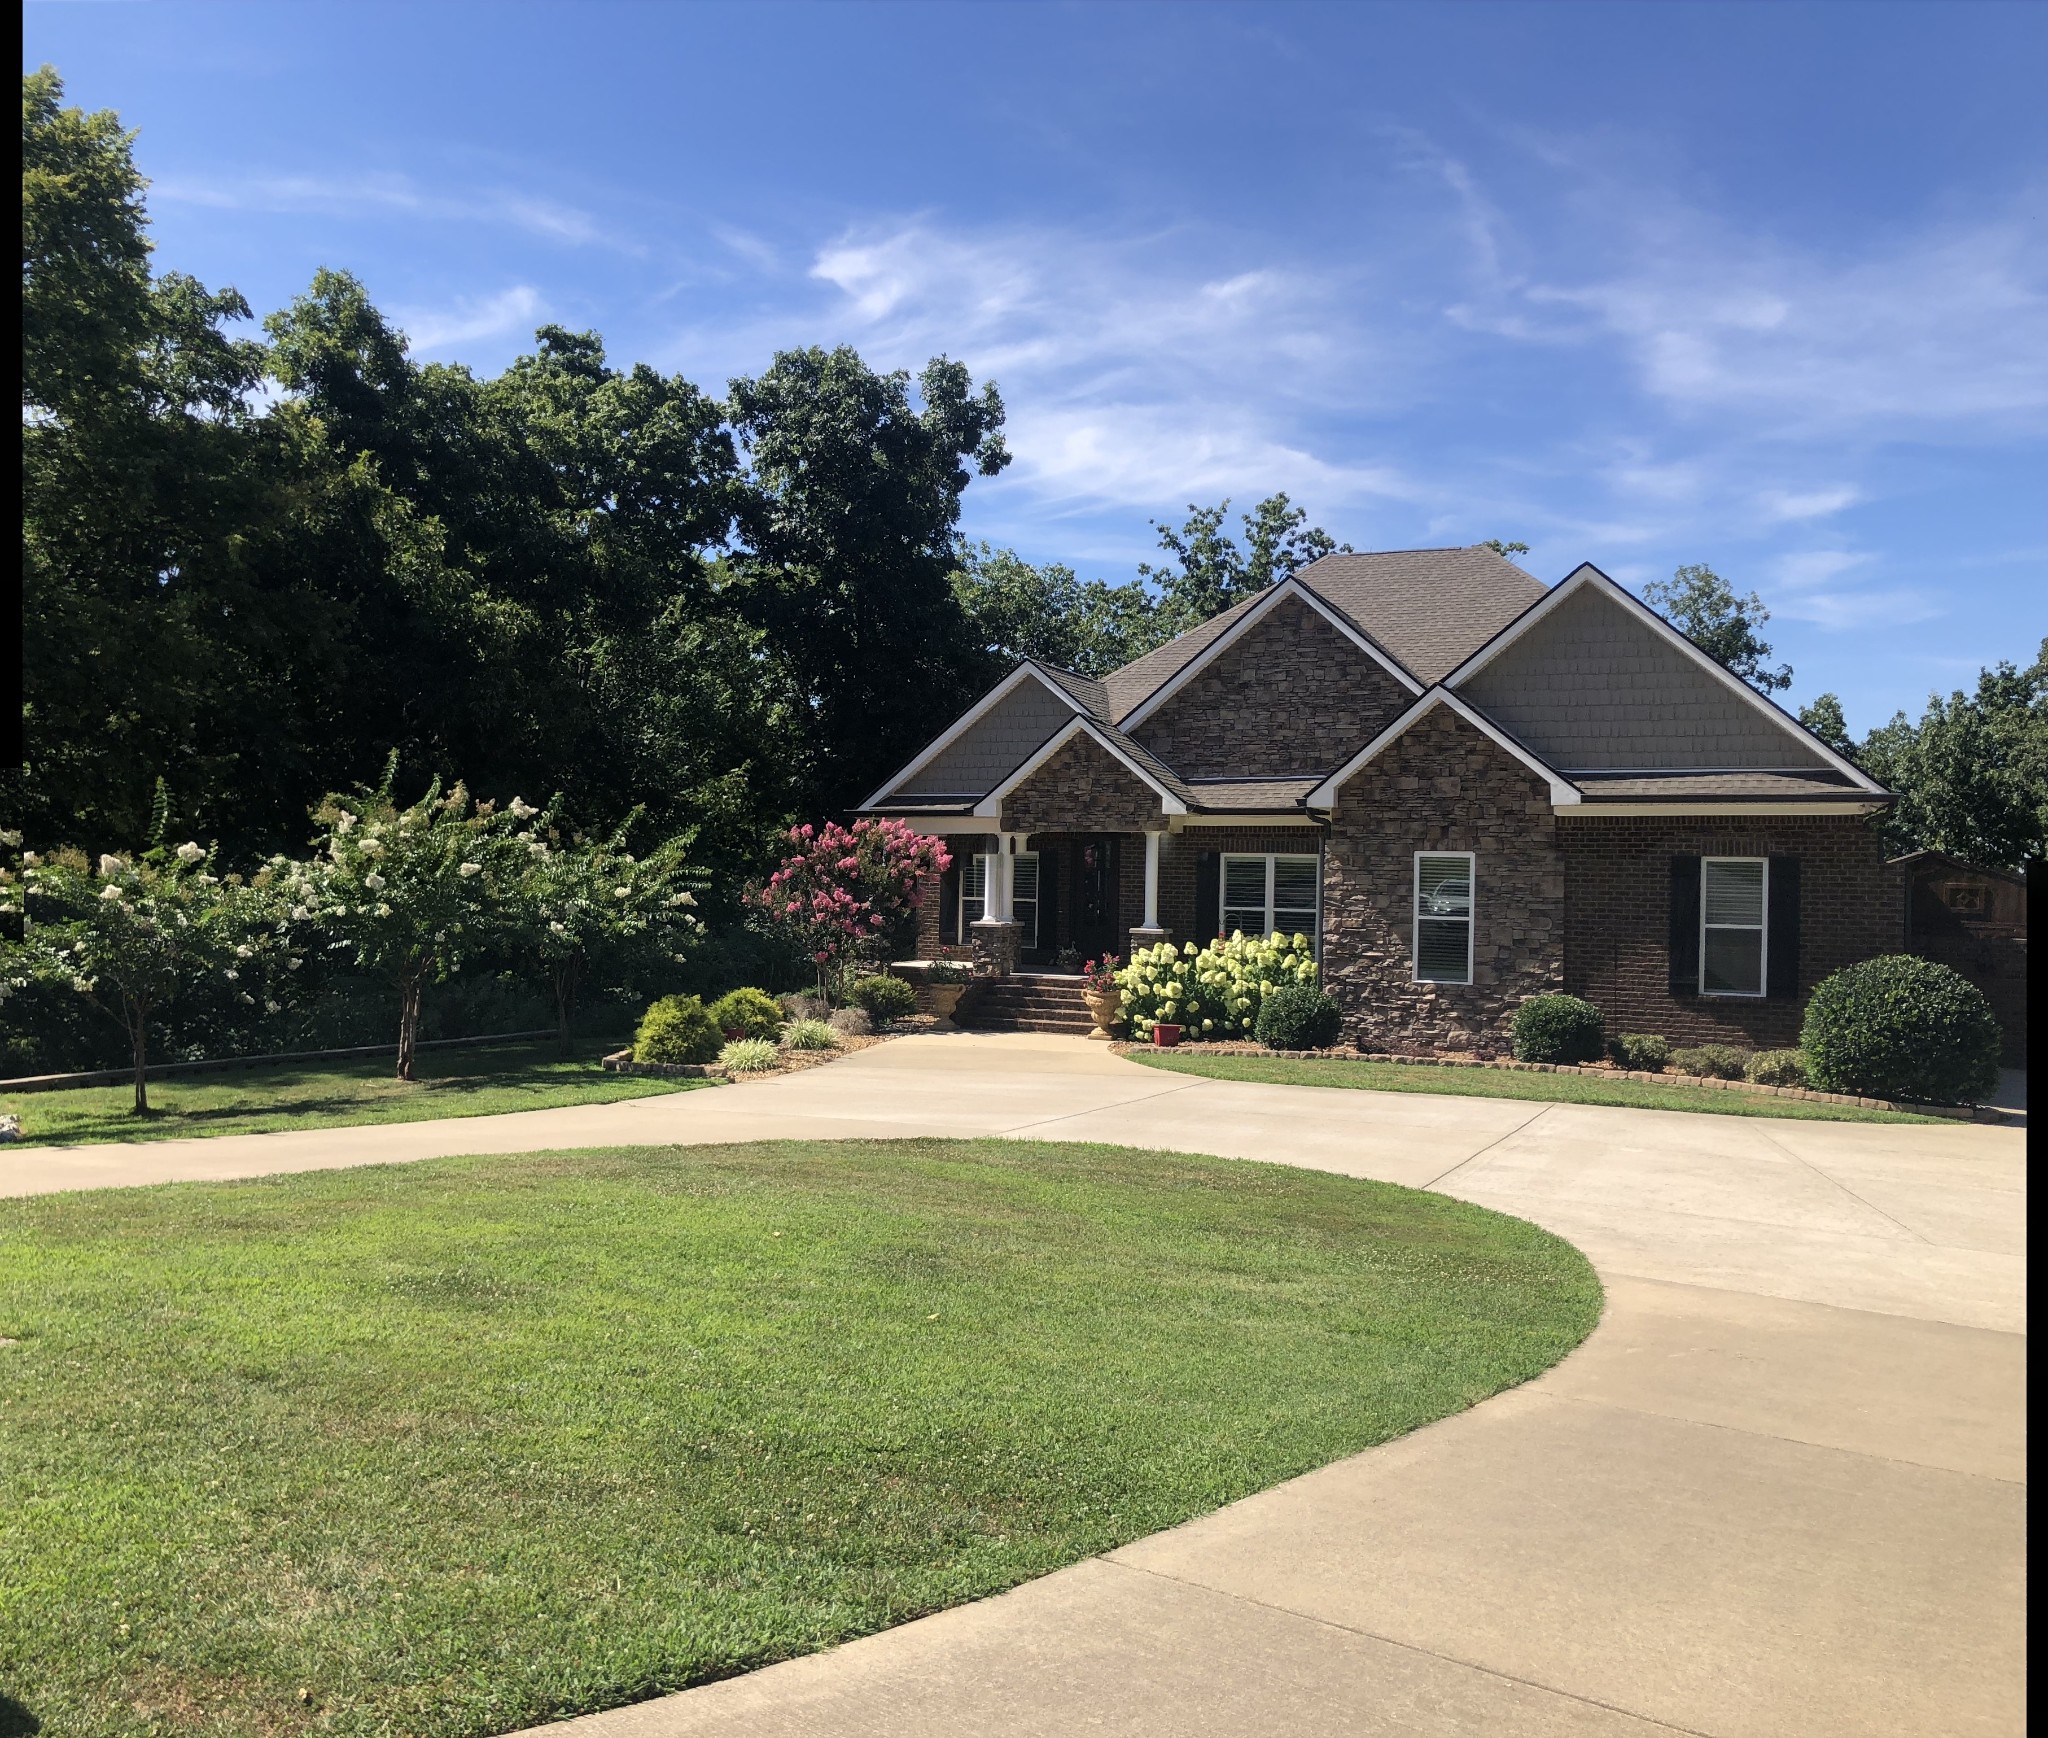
849	1022
804	1006
1901	1027
1777	1068
749	1056
1643	1052
809	1035
1215	991
1298	1017
1557	1029
748	1014
1711	1061
884	997
677	1029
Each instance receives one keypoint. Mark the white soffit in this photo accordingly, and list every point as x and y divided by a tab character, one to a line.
1587	575
1562	793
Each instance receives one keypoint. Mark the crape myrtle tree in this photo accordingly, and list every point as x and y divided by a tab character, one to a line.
842	889
585	905
134	934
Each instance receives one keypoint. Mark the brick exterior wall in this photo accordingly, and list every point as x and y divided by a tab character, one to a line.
1178	856
1442	787
1082	789
1618	905
1293	696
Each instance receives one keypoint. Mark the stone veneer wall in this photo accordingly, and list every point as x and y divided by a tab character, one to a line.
1082	789
1293	696
1443	786
1618	912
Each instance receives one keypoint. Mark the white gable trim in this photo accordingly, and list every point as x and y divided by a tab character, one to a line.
1289	587
967	720
1587	575
1324	796
992	804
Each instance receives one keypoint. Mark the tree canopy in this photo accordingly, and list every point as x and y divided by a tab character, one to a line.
1703	606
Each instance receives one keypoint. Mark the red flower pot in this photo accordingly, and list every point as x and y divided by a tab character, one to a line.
1165	1036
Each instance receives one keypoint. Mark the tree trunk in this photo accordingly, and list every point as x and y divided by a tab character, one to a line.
408	1025
138	1038
565	1002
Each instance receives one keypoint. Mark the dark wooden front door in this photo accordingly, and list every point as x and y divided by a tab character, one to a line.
1095	897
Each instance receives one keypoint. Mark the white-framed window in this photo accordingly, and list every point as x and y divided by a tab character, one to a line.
1735	893
1265	892
974	877
1443	916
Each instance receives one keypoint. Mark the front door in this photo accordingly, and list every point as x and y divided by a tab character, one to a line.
1095	897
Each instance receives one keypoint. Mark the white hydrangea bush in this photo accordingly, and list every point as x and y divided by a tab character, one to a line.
1213	992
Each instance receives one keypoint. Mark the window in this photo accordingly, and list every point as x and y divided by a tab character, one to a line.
1734	895
1262	894
1443	917
974	874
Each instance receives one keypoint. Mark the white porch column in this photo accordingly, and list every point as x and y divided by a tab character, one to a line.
1152	880
1006	875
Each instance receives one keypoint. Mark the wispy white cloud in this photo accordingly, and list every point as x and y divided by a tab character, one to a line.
1851	610
1783	505
1811	567
471	320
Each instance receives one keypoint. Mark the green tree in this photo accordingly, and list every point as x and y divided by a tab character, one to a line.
847	526
1016	610
1824	718
1209	572
1700	604
1504	549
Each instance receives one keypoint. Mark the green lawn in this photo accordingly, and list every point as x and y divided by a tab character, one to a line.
460	1446
477	1081
1511	1083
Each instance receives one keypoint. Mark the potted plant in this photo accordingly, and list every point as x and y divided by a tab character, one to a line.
946	979
1165	1034
1100	991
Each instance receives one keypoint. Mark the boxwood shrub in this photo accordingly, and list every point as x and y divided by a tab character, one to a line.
677	1029
1297	1017
748	1014
1641	1052
1712	1061
1557	1029
1776	1068
1901	1027
884	997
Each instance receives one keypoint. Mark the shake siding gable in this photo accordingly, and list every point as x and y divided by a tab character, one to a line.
993	747
1591	687
1293	696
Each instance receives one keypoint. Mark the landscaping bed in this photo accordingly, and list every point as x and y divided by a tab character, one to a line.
786	1062
1557	1082
456	1447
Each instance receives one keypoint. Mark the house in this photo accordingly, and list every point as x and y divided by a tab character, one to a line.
1468	787
1973	920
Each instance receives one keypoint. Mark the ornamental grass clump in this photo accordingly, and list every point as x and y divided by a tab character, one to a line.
1557	1029
748	1013
677	1031
1214	991
1901	1027
749	1056
809	1035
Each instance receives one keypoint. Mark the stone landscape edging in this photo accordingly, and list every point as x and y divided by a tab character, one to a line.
1954	1112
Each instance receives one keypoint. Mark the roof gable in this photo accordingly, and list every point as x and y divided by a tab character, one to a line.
1430	608
987	741
1562	792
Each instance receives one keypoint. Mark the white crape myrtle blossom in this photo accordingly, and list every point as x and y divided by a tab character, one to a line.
110	864
374	882
467	870
520	809
191	851
11	838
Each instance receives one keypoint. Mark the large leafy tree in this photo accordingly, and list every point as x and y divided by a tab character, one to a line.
1017	610
1703	606
1209	570
847	527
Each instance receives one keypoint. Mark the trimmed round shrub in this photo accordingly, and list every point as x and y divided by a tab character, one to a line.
749	1056
1711	1061
1901	1027
1297	1017
748	1014
1640	1052
809	1035
677	1029
1557	1029
1776	1068
884	997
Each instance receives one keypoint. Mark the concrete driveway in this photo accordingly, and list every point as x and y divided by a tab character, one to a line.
1779	1490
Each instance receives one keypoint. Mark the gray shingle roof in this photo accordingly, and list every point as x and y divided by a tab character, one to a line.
1804	787
1128	688
1251	796
1431	608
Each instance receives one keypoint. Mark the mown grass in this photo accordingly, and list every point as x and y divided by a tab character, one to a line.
479	1081
1510	1083
460	1446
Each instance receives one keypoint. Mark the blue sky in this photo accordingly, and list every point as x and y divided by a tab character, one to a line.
1760	286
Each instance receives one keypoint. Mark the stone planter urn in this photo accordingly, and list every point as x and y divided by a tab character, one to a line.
1166	1035
945	998
1102	1009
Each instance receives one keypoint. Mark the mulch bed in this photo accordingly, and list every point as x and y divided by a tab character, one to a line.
791	1061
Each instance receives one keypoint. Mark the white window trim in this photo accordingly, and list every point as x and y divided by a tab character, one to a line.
1270	859
1471	915
1763	930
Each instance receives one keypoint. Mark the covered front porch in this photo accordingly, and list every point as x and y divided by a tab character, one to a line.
1045	901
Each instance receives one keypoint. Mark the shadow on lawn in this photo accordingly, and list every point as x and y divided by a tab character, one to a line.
15	1720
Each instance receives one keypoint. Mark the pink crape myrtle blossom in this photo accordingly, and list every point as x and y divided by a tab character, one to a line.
842	885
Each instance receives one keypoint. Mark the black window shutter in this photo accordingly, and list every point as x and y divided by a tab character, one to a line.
1685	926
1208	898
949	905
1783	919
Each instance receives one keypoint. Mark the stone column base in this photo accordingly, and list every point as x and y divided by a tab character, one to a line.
1143	937
996	946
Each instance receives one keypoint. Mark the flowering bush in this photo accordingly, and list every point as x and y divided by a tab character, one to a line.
1213	991
1099	977
842	888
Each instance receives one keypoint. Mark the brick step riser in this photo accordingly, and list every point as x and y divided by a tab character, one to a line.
1066	1028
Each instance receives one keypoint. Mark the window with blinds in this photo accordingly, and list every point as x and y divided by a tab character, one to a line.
1443	917
1734	895
1263	893
974	876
